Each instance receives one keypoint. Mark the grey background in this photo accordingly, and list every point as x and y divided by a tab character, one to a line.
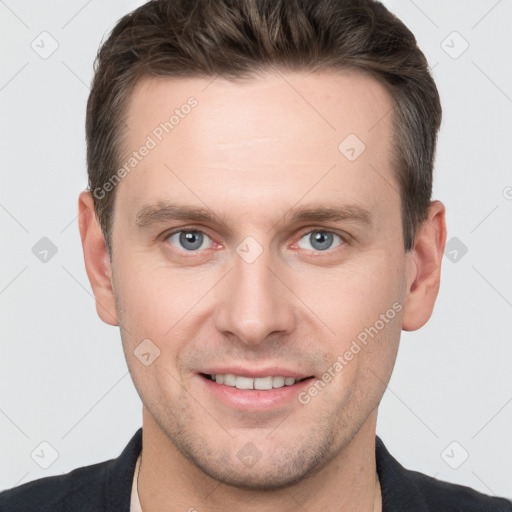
64	380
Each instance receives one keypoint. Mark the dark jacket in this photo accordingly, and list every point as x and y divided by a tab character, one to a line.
106	486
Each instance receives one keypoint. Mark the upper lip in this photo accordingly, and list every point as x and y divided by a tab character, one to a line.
273	371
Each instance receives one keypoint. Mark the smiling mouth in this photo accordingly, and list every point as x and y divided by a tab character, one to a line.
250	383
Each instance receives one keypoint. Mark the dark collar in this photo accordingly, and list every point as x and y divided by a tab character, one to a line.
106	487
399	488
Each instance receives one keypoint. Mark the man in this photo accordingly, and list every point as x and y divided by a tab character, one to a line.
259	225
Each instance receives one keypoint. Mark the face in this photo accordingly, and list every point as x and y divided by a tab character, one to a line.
259	236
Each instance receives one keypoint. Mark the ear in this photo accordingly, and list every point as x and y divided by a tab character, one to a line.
97	260
424	268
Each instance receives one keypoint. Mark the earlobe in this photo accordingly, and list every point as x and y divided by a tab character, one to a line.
97	261
424	269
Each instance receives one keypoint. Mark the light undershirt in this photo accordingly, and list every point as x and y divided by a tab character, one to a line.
134	501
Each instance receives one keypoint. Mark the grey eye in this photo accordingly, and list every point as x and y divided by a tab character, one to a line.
319	240
188	240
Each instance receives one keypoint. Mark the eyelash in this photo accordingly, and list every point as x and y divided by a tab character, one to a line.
344	239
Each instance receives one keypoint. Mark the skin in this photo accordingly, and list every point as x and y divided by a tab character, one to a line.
251	152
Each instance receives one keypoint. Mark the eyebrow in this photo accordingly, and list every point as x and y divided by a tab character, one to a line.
165	212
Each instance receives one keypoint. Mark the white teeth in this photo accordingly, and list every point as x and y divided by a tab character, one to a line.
229	379
260	383
263	383
244	383
278	382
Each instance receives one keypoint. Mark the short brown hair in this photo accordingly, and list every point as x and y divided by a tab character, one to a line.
239	38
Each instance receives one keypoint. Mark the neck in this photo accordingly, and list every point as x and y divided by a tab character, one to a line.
170	482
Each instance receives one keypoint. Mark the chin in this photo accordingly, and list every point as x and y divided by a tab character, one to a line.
278	468
267	477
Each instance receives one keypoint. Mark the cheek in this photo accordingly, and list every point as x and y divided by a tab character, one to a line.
150	297
354	295
152	302
159	303
361	304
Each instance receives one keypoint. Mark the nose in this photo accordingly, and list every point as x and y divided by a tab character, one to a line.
255	304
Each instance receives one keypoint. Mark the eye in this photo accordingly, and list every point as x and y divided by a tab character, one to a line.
189	240
319	240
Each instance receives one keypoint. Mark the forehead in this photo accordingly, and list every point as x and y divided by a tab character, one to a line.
271	138
291	105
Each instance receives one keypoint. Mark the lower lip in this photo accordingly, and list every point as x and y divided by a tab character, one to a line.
253	399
